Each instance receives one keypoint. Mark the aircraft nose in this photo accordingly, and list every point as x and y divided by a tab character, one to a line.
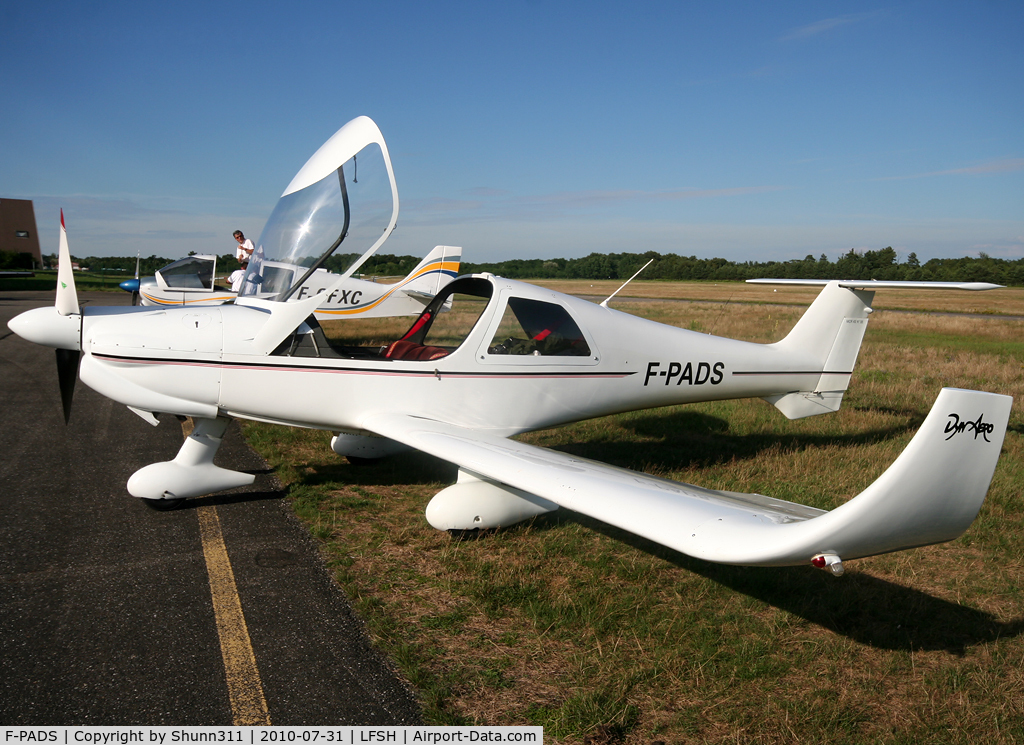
49	328
130	285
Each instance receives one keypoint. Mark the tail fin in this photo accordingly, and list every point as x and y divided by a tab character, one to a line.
438	268
830	331
407	297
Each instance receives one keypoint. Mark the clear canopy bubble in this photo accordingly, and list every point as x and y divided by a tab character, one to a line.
335	223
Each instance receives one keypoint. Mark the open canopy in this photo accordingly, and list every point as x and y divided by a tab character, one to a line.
337	211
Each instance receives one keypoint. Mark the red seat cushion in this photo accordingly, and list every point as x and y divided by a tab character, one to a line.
407	350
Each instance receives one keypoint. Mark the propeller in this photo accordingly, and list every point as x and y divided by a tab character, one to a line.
59	327
67	297
67	375
66	304
135	292
132	285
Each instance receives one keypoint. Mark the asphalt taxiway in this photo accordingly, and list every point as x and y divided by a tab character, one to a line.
107	614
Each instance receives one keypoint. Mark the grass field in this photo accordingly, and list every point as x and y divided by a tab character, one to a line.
1007	301
600	636
47	280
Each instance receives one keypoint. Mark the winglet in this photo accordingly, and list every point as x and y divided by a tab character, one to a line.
67	297
930	494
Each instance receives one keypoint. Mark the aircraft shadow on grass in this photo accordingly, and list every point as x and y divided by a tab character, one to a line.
859	606
862	607
1017	427
688	439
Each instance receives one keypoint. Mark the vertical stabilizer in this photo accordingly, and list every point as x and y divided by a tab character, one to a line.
830	332
438	268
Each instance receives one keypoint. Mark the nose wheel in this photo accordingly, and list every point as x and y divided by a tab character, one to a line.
191	473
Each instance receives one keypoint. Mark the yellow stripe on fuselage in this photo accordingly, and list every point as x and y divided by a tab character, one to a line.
207	300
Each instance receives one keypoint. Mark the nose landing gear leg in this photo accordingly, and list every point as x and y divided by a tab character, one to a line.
164	486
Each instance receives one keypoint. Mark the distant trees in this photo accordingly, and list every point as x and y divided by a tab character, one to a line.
880	264
148	265
12	260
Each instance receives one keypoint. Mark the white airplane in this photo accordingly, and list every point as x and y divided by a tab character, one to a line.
192	281
528	358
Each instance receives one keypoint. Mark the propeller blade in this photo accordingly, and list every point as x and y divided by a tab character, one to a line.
67	374
67	297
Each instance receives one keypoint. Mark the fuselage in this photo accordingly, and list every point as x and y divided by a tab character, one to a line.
201	362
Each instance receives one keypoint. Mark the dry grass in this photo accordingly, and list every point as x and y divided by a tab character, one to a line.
1007	301
603	637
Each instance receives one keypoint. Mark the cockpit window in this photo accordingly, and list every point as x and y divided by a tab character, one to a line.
190	273
438	331
445	323
537	328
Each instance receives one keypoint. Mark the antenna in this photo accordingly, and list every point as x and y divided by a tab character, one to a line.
604	303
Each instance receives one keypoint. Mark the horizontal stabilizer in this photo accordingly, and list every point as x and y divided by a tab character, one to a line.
421	297
930	494
875	284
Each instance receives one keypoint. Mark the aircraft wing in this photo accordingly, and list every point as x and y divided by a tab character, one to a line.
930	494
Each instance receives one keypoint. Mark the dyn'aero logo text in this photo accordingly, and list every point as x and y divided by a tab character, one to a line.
704	372
955	426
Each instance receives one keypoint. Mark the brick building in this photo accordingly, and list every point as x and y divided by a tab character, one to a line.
18	232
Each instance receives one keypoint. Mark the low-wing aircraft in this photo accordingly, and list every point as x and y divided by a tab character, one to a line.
192	281
509	358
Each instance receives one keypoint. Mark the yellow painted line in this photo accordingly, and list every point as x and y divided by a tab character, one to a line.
245	690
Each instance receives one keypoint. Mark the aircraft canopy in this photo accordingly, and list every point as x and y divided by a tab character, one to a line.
337	211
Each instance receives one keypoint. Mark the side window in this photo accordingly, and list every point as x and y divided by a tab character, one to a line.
533	327
190	273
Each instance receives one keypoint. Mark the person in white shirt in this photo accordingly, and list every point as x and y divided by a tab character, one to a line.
244	249
237	277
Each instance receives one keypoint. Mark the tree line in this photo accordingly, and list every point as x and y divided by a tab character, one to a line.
385	265
880	264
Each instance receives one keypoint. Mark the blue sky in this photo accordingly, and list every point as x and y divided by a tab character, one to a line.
525	129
